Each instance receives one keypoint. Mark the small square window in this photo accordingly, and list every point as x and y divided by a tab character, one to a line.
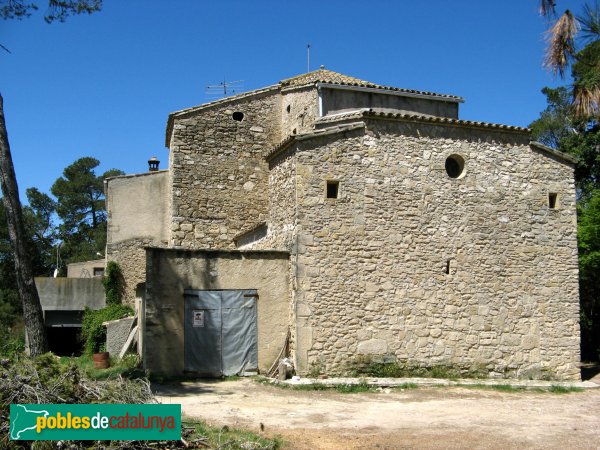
333	188
552	200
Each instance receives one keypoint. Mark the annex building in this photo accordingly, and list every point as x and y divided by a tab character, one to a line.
349	221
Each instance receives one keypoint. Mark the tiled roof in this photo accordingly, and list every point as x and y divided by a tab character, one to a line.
323	76
330	77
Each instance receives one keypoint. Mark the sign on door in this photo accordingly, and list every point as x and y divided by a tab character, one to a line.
198	318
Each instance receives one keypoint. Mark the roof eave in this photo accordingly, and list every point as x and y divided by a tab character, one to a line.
444	121
392	91
553	152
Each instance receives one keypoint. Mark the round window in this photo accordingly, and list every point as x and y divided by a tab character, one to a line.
455	166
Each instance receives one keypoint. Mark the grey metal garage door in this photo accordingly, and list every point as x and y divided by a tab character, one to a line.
220	332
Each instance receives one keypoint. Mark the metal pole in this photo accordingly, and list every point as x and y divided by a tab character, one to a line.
308	55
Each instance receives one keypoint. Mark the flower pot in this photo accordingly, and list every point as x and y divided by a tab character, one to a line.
101	360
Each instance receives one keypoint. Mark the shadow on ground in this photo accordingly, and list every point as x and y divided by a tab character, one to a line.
187	387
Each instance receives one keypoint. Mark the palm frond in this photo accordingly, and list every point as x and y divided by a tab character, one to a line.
586	101
590	22
561	43
548	8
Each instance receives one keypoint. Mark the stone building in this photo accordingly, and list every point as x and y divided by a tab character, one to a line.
357	222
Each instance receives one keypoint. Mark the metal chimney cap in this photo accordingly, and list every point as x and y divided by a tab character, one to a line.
153	164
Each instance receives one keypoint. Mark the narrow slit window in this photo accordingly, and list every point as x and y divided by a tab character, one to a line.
448	267
552	198
333	188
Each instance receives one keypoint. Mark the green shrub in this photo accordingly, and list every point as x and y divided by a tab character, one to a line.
114	283
127	367
92	331
353	388
556	389
316	369
12	341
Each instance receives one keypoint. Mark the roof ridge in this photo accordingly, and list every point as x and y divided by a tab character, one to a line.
321	75
326	76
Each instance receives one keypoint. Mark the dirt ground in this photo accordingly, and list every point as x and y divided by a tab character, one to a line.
427	417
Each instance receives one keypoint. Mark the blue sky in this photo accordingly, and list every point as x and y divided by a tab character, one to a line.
103	85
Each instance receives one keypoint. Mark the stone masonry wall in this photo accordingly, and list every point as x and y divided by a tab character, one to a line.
372	264
131	257
282	205
219	176
299	109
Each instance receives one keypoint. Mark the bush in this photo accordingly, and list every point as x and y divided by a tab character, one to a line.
93	332
48	379
12	341
44	380
114	283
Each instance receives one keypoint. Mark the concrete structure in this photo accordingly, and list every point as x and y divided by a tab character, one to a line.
86	269
412	235
171	271
117	332
138	216
63	302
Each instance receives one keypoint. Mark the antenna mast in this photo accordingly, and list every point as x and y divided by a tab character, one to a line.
224	89
308	56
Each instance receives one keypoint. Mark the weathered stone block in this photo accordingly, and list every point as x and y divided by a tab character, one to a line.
372	347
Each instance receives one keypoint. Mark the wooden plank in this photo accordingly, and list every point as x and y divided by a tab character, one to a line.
129	341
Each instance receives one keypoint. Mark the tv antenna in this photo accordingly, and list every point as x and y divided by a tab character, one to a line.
224	89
